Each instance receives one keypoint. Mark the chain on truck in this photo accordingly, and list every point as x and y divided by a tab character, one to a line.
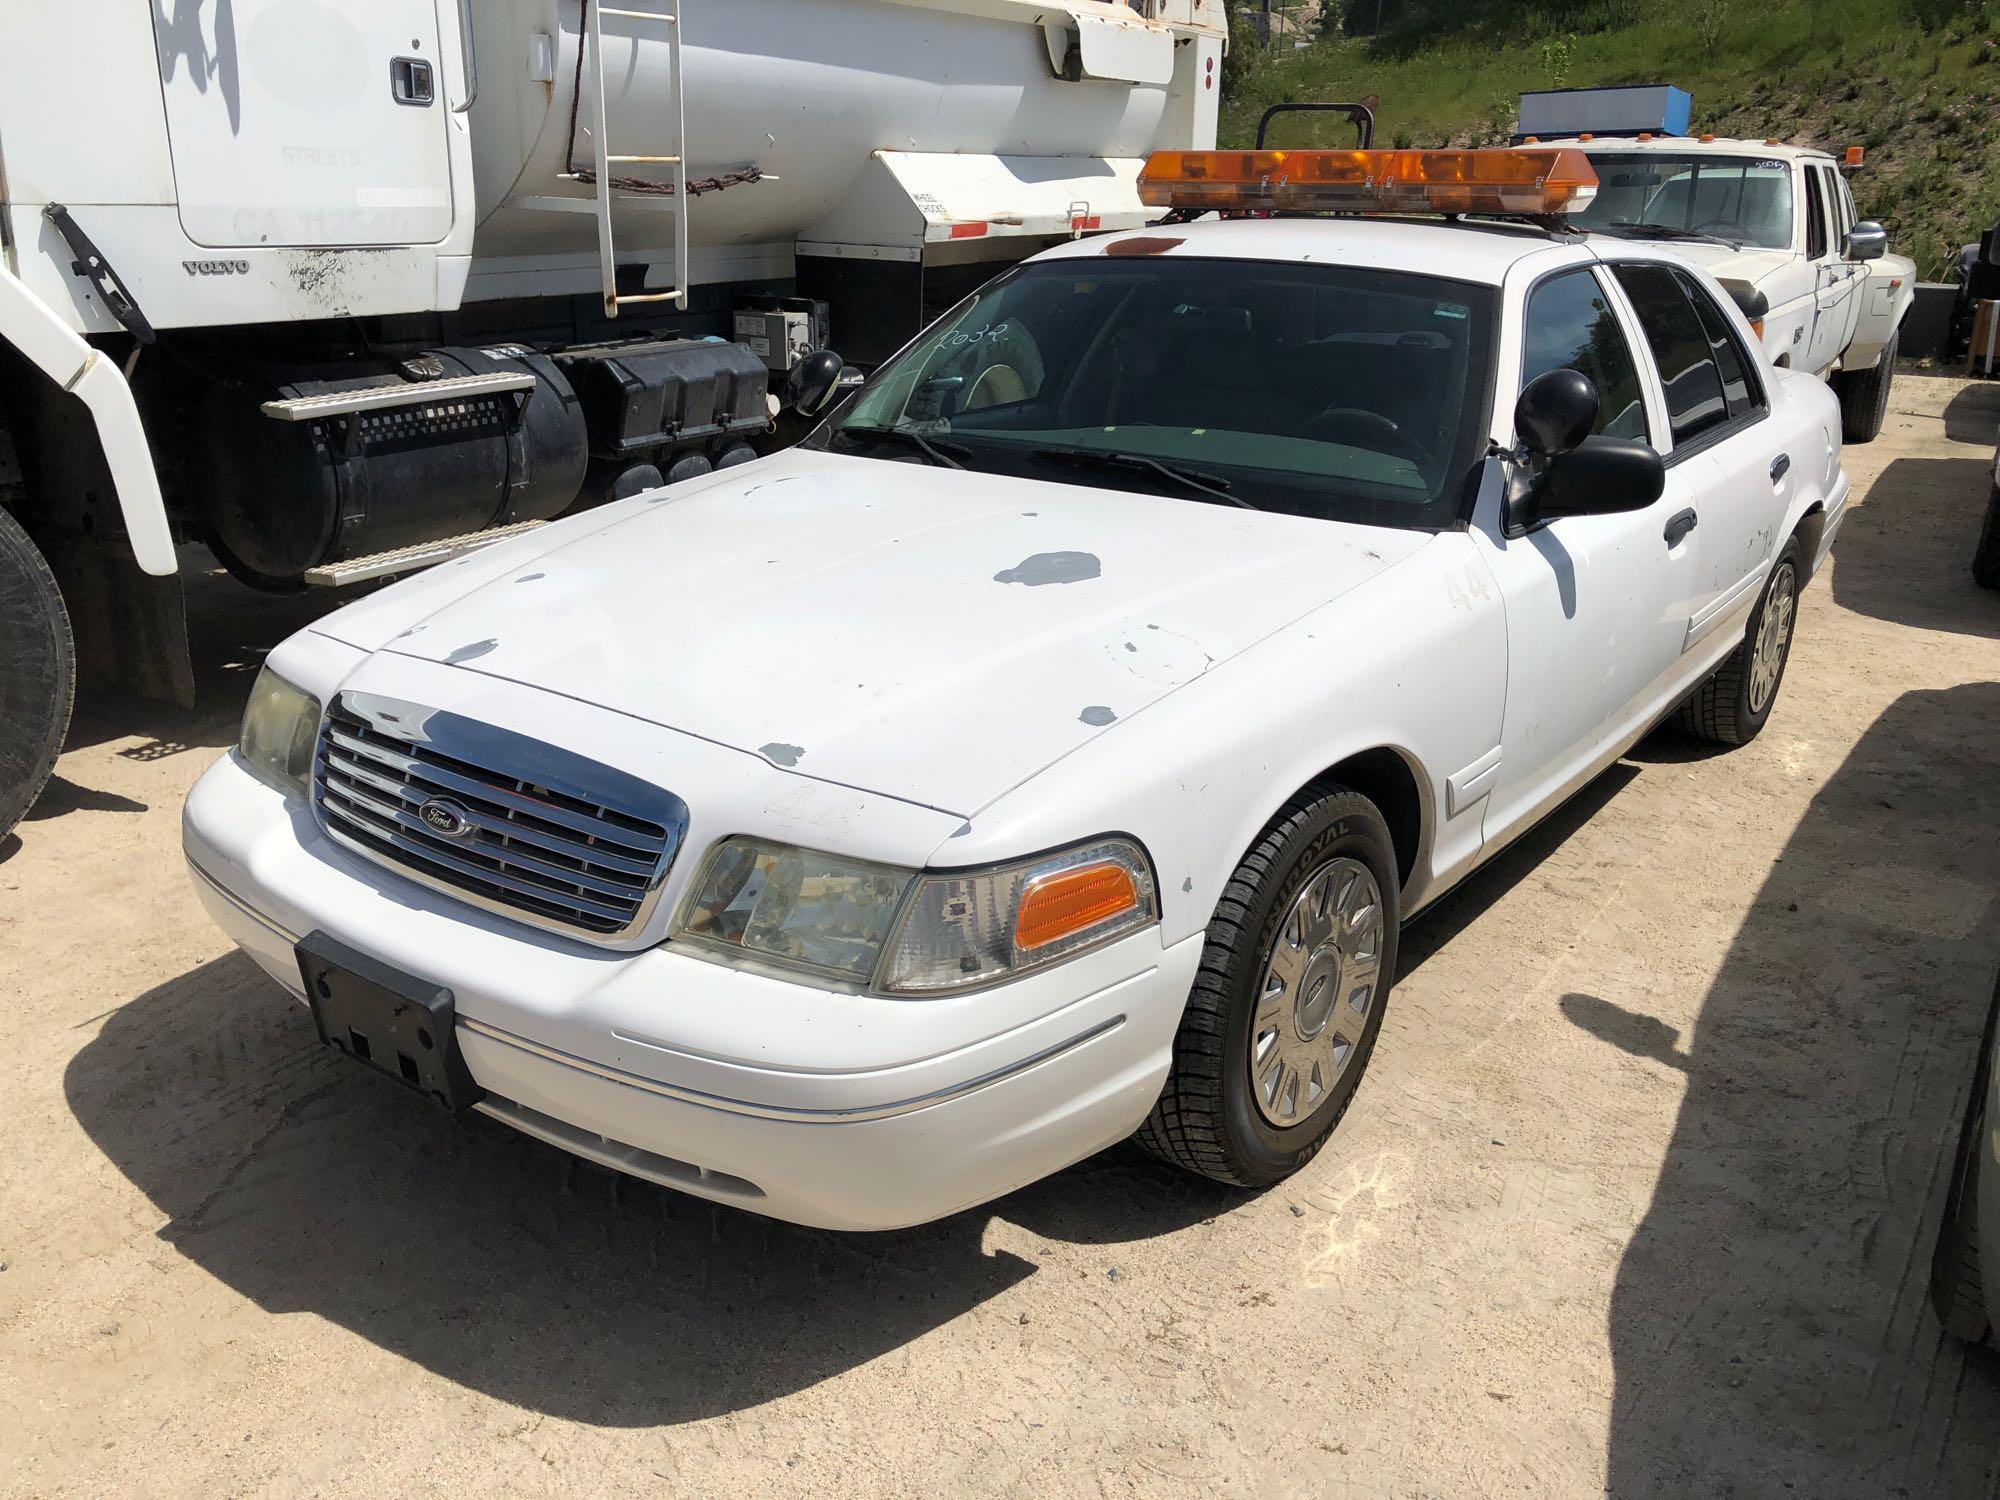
345	292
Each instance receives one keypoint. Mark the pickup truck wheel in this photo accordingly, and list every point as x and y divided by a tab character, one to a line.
1733	702
1986	557
1289	998
1864	396
37	673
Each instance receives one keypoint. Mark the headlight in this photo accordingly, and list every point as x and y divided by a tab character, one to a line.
973	927
951	931
794	906
280	724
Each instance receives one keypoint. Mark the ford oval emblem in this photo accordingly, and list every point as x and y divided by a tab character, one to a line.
442	815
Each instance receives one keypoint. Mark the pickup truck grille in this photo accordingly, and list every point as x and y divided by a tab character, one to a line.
507	822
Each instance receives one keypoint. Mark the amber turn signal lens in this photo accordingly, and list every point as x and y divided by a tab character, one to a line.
1069	901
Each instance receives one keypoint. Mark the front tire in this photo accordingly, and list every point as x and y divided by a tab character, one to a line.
37	673
1285	1009
1733	702
1864	396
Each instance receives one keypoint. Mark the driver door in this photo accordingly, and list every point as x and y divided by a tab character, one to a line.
1834	276
1597	606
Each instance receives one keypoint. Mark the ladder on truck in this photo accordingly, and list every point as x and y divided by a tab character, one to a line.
605	182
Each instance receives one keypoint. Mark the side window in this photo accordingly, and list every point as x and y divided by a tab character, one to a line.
1680	348
1570	326
1848	215
1843	204
1815	216
1742	391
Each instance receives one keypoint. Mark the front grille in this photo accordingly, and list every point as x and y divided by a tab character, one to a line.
511	823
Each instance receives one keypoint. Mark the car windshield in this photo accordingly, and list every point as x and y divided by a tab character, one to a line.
1744	200
1327	391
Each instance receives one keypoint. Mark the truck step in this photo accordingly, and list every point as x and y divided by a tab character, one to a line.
409	559
401	393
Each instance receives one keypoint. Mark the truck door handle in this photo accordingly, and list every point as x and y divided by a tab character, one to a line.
1678	528
1780	467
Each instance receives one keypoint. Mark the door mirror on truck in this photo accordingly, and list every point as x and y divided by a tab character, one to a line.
1867	241
814	380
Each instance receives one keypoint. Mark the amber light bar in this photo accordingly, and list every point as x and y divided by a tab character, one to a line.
1553	181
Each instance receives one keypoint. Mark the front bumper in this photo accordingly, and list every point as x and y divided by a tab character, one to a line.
839	1110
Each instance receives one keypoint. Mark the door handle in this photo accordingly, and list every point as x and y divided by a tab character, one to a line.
1780	467
1678	528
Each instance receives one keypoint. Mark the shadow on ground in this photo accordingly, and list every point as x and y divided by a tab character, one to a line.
1973	415
1770	1325
1906	555
308	1185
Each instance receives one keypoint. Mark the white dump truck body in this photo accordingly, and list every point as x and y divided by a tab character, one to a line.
286	159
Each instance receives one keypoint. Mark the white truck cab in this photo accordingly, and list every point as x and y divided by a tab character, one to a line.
1774	223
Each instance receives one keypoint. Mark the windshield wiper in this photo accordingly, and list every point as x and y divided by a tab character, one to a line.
944	454
1212	485
1667	232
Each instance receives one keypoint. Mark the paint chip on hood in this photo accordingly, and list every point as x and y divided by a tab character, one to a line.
1052	567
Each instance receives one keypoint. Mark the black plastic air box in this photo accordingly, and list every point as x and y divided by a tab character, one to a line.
667	396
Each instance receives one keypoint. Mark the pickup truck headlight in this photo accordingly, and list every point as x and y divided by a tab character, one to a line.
280	724
915	934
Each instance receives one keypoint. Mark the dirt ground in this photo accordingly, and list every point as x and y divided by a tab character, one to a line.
1637	1197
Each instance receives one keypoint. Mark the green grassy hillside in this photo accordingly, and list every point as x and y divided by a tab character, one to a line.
1917	83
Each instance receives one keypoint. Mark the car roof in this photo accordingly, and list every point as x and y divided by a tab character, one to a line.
1688	145
1475	250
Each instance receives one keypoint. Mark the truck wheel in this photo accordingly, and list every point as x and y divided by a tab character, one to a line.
37	673
1733	702
1289	998
1986	557
1958	1288
1864	396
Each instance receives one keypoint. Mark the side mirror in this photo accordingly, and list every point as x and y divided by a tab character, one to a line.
1753	304
1601	476
814	380
1867	241
1555	412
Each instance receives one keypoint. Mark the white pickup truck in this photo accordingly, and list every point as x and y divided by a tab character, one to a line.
1776	225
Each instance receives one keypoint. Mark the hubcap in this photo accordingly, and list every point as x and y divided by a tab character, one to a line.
1318	991
1774	634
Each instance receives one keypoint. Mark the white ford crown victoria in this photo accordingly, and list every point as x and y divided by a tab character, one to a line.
1052	747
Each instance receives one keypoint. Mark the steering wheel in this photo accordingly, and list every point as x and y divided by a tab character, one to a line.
1358	427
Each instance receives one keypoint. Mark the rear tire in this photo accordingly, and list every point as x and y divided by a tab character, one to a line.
37	673
1986	557
1287	1004
1864	396
1733	702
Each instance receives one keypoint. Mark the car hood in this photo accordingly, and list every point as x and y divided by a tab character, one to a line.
1749	265
925	634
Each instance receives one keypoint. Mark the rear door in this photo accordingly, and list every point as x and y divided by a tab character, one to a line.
304	123
1727	464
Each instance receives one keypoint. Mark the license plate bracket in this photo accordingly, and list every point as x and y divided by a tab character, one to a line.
395	1023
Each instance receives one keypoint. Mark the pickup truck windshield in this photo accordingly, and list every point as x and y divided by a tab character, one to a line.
1742	200
1336	392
